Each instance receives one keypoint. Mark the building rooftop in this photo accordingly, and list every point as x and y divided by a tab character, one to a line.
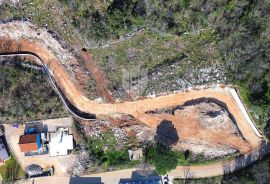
28	142
29	138
3	152
61	142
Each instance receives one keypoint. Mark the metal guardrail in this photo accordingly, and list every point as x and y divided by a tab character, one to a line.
244	112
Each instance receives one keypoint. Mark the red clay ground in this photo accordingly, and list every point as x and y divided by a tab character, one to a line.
99	77
138	108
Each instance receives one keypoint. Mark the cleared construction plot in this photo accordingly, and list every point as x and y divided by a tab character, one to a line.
202	126
193	123
208	121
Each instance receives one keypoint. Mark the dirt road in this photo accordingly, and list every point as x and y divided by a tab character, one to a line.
134	108
22	44
200	171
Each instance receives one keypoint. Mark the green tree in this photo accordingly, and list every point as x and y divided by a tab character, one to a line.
163	158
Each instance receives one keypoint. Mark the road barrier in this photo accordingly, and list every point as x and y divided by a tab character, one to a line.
68	105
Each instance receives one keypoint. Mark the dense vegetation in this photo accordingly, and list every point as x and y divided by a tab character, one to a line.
163	158
26	95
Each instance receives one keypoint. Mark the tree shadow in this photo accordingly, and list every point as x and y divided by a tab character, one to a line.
166	134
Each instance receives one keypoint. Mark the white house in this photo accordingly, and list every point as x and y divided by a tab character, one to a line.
61	143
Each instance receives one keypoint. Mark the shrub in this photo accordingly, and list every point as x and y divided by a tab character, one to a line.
163	158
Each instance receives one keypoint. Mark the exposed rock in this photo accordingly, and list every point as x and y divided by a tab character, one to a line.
216	118
209	151
81	163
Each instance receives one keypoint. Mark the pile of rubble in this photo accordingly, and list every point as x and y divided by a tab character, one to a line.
119	133
12	2
209	151
17	30
94	128
122	128
82	162
158	79
143	133
214	117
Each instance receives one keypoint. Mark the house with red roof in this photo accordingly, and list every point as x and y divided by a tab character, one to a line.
30	144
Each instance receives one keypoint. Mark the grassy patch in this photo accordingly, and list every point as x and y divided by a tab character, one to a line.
11	170
201	160
257	110
145	49
106	150
188	158
174	55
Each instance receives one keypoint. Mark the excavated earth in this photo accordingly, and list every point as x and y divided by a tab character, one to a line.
203	127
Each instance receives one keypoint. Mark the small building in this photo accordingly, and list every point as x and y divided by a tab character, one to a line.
30	143
3	152
61	142
135	154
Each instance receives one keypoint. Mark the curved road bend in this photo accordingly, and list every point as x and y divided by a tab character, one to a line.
68	105
77	98
82	107
138	108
